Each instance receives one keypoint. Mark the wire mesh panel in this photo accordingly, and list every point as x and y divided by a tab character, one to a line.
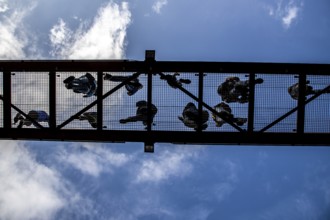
272	100
30	93
1	102
317	112
122	104
238	107
74	91
171	101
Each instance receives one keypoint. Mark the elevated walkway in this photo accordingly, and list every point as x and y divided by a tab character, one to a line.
272	116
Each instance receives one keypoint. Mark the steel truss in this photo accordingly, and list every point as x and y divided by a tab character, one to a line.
152	68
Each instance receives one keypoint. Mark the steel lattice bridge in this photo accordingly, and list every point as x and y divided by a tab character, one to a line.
270	115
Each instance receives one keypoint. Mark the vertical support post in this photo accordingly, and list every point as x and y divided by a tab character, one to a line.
99	100
200	100
149	100
149	60
7	99
52	99
301	104
251	102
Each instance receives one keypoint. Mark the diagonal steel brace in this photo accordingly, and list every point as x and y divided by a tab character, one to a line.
25	115
134	76
206	105
295	109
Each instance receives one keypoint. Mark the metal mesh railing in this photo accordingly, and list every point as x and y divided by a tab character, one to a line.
30	91
210	95
122	104
272	100
317	112
171	101
69	102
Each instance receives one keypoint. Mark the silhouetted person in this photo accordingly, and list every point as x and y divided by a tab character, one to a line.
294	90
141	113
36	115
235	90
132	86
225	111
85	84
190	117
91	117
173	81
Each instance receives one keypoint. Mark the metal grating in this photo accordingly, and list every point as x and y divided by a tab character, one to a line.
317	113
212	98
69	103
121	105
272	100
269	109
171	101
30	92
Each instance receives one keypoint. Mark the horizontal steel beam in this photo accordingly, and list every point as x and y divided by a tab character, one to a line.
162	66
204	138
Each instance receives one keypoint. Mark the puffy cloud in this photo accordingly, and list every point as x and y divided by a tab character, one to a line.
104	39
13	35
158	5
3	6
28	190
59	36
290	14
165	165
92	159
286	13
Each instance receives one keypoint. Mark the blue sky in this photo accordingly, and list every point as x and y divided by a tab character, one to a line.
60	180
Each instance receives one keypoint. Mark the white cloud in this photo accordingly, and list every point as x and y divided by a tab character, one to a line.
31	190
104	39
60	36
93	159
287	13
290	15
10	46
166	164
28	190
158	5
3	6
13	34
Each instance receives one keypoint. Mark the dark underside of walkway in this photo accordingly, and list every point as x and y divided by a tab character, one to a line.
272	116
